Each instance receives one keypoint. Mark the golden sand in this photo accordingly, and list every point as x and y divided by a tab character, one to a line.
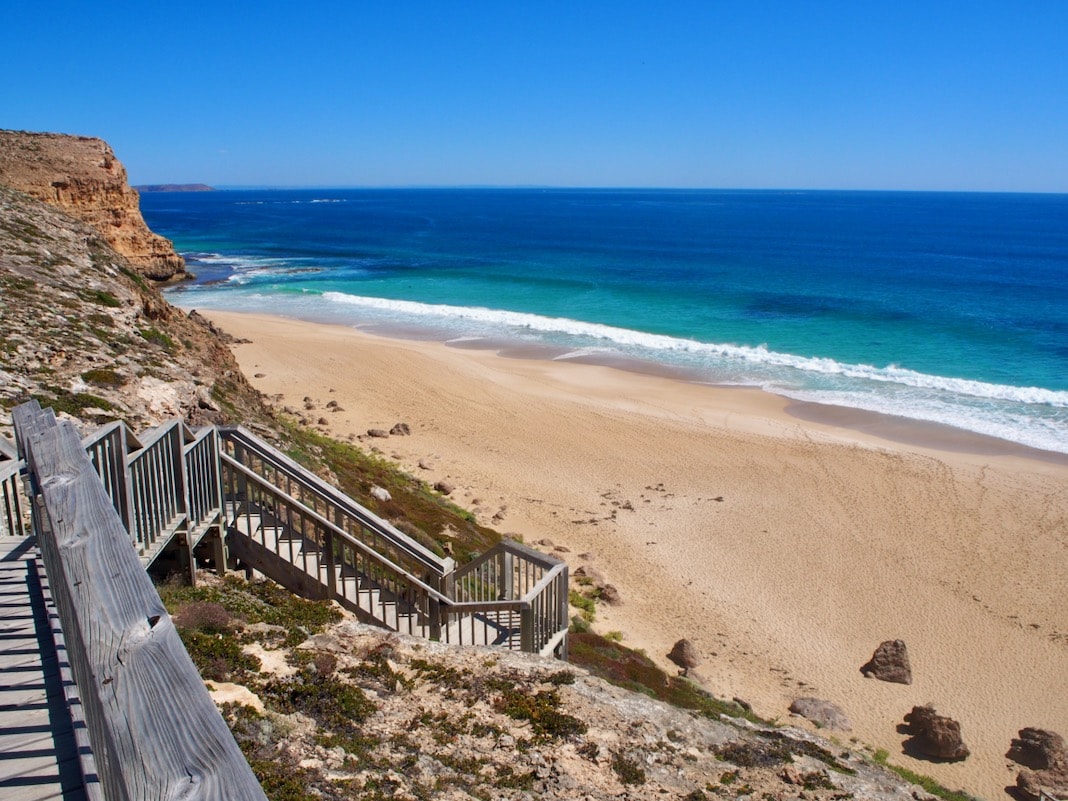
785	550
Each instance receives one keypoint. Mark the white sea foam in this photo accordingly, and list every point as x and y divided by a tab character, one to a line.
751	355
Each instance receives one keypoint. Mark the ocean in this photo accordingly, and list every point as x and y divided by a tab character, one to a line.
943	307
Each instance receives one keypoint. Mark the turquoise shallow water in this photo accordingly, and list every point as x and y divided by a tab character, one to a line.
950	308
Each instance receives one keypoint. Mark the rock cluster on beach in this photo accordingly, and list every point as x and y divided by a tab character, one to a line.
1044	755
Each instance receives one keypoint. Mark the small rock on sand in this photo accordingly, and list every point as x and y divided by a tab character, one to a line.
823	713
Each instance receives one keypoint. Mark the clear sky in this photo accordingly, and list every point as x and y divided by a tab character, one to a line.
900	94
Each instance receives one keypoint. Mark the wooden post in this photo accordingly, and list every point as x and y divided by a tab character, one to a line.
219	551
526	630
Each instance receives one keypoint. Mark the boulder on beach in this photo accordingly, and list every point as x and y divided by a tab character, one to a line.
684	654
935	736
822	713
890	662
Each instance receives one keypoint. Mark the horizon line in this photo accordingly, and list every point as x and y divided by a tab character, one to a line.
557	187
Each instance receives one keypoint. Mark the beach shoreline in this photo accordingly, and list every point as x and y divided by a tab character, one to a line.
785	541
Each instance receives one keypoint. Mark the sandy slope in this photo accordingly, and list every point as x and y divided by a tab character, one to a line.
785	550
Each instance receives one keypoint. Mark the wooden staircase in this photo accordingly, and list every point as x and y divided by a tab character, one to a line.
178	491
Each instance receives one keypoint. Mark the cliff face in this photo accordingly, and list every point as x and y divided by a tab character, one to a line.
81	176
83	332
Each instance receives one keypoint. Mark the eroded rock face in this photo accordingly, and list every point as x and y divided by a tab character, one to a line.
81	176
85	335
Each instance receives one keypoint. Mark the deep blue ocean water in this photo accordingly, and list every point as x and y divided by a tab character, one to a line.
949	307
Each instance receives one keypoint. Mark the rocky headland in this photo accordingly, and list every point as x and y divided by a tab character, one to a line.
82	176
174	188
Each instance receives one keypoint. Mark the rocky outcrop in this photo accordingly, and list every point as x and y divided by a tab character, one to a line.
464	723
935	736
85	334
81	176
890	662
1039	749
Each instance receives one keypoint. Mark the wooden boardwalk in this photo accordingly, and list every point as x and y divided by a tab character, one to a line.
38	749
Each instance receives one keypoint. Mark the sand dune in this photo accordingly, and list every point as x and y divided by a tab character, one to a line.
785	550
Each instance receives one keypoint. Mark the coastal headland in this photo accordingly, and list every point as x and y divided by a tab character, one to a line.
786	549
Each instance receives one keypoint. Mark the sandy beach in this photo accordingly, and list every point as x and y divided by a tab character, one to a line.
785	546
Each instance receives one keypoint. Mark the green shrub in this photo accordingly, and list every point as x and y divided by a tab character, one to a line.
542	711
102	298
218	656
157	337
627	769
103	378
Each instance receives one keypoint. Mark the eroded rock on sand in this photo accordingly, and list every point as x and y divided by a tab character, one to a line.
935	736
684	654
1046	754
821	712
890	662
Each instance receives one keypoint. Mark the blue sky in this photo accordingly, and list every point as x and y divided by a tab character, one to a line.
747	94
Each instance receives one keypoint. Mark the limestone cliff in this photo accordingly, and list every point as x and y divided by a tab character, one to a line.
81	176
82	332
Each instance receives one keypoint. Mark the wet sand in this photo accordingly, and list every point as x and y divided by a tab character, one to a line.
785	542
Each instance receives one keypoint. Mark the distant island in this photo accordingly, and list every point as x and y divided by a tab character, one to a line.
174	188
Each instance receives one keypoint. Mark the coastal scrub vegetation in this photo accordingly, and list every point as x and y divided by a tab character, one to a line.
881	756
633	670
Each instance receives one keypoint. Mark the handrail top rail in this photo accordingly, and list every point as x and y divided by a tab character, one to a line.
545	581
137	443
397	538
131	440
7	448
149	438
514	548
11	467
454	605
336	529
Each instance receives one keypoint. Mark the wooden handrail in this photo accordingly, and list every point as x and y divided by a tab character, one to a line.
154	730
336	530
8	451
330	494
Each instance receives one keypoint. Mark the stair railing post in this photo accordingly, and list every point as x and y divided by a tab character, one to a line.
434	607
505	577
331	563
526	629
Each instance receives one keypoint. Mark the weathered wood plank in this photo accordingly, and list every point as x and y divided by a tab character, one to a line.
155	732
